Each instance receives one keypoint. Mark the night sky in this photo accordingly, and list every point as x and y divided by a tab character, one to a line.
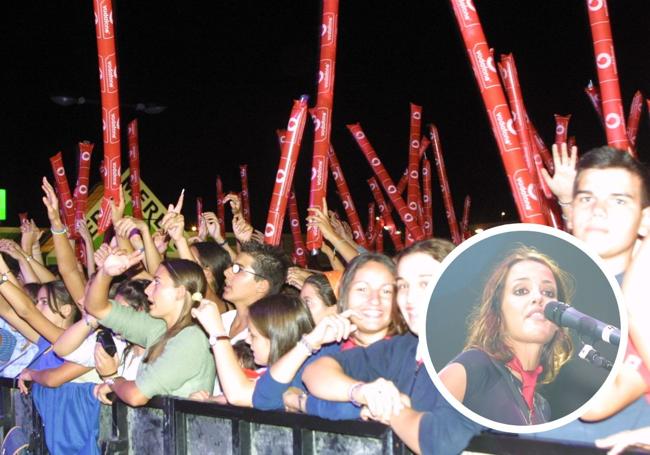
228	71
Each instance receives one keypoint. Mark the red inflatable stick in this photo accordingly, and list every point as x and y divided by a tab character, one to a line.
371	224
221	210
636	108
24	217
63	190
199	211
427	194
286	168
322	114
384	212
245	200
387	183
413	190
541	147
525	193
594	97
346	198
612	106
379	232
105	31
83	179
299	253
561	128
444	185
134	167
464	223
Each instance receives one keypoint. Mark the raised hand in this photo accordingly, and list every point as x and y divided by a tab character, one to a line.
51	202
331	328
174	224
212	226
561	184
235	203
104	363
118	262
12	249
242	230
117	211
296	276
101	254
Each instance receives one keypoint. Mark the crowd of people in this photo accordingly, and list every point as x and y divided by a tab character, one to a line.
236	323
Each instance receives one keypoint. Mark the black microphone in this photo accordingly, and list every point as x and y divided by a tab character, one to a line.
567	316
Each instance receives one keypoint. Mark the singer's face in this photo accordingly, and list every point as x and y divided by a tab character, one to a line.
529	286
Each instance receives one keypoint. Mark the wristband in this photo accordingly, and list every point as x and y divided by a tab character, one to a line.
309	350
29	258
222	243
215	338
57	232
351	391
134	231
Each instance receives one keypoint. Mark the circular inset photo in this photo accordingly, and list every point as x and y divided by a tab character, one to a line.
523	328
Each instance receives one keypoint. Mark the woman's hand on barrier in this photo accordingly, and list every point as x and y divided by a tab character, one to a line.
295	400
25	375
381	397
619	442
101	392
104	363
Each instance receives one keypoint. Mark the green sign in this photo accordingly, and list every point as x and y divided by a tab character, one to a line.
3	205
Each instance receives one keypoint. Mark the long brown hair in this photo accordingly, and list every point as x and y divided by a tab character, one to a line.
283	320
190	275
486	325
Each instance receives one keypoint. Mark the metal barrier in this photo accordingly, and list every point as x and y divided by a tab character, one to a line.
169	426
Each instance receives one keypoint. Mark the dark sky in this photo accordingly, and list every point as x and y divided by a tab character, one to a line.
228	71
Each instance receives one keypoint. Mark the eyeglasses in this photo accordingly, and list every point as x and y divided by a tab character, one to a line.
236	268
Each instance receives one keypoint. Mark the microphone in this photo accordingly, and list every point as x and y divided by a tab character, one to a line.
566	316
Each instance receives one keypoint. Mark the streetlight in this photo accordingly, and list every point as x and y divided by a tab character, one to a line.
67	101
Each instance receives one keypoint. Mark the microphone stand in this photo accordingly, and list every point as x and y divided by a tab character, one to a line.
591	355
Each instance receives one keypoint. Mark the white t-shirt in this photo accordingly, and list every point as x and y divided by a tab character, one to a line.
84	355
228	318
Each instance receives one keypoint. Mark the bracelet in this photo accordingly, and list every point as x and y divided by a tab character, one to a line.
108	376
564	204
302	402
222	243
351	391
29	258
134	231
213	339
61	232
309	350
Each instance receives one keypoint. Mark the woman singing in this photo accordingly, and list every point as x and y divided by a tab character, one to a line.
511	347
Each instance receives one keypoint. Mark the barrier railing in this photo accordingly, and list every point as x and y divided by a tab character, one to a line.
169	426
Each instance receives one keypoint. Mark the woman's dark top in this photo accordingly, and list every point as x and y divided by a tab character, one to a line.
493	392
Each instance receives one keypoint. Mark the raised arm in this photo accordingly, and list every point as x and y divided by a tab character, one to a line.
65	257
319	219
214	230
237	388
84	233
117	262
74	335
51	377
9	315
561	184
15	251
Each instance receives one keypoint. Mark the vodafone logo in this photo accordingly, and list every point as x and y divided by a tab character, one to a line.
559	129
413	206
293	124
356	235
595	5
295	223
415	143
612	120
60	171
373	186
68	204
375	162
603	60
511	127
336	175
314	172
531	192
300	252
391	189
85	156
244	193
279	178
417	115
425	199
490	64
346	205
83	189
316	123
426	225
408	218
269	230
425	171
359	135
414	174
